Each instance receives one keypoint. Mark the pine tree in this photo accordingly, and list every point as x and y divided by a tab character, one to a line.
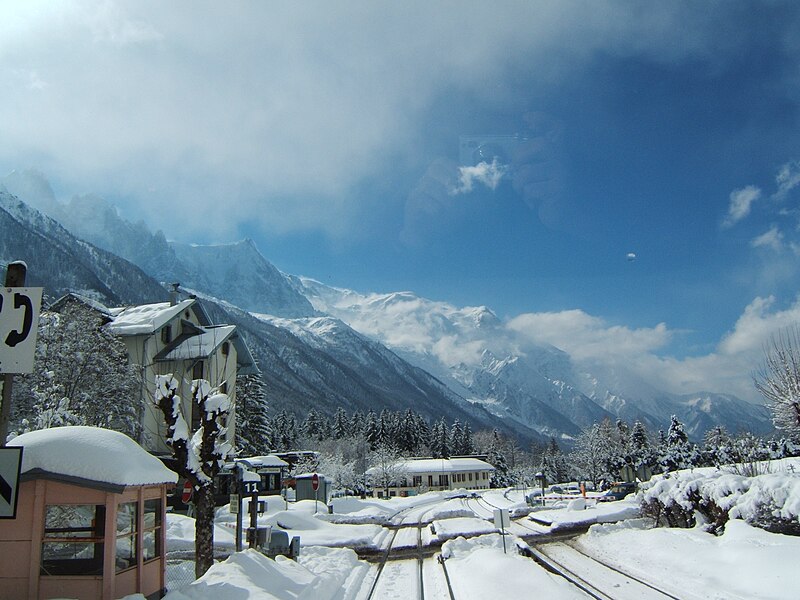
495	456
341	424
312	427
253	431
440	440
718	447
679	452
642	455
371	430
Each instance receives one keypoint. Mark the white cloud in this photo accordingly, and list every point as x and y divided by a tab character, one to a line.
740	203
727	369
484	173
787	179
274	111
585	337
772	238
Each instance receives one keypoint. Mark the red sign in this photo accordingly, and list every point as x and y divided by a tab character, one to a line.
187	492
315	482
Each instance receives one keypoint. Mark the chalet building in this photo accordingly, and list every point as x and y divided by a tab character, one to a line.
90	519
175	337
420	475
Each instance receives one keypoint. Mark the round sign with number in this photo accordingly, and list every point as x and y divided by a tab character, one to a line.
315	482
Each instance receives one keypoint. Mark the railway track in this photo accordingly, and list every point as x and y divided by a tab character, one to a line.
406	568
594	577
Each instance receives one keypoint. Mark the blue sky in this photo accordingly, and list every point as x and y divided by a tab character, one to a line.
332	137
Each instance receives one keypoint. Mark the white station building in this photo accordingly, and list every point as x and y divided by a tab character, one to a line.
420	475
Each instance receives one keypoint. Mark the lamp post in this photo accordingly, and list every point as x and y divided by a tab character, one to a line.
541	480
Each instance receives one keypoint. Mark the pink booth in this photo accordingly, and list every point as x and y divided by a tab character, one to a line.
90	519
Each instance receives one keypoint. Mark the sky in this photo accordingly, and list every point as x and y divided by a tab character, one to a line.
594	170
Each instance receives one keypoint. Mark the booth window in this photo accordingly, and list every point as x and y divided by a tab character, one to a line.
151	529
73	539
127	513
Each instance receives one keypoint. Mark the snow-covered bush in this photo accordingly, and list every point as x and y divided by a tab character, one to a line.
711	497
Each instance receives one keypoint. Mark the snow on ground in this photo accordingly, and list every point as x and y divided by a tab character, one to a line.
479	569
300	520
180	536
602	512
251	575
743	563
447	529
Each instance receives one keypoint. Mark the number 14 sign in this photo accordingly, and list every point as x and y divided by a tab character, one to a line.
19	320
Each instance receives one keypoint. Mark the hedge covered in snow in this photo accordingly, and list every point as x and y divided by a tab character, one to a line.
713	496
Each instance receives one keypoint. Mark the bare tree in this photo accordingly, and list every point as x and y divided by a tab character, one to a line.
778	379
199	455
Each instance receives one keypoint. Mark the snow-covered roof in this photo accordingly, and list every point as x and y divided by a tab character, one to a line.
443	465
200	345
146	318
91	454
269	460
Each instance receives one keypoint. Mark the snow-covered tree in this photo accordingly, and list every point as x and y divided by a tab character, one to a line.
678	452
387	468
718	447
778	379
440	440
341	424
643	457
501	477
82	376
312	427
461	439
253	431
596	455
284	431
199	455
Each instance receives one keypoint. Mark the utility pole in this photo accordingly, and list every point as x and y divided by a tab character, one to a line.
15	277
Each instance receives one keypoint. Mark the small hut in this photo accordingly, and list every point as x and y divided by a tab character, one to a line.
90	519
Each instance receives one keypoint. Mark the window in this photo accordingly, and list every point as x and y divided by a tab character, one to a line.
151	529
470	476
417	480
443	480
127	514
166	334
225	348
430	480
73	539
197	370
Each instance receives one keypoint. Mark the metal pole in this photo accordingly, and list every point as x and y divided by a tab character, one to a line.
15	277
239	523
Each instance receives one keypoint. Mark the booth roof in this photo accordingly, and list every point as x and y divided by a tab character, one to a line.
92	454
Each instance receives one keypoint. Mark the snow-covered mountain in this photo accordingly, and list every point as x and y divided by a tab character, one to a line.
312	362
539	386
471	360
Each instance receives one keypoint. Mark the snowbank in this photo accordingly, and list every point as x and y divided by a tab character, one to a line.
461	526
251	575
478	569
761	500
744	562
602	512
180	536
91	453
300	520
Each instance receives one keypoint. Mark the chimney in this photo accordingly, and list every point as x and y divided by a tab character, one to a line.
173	295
